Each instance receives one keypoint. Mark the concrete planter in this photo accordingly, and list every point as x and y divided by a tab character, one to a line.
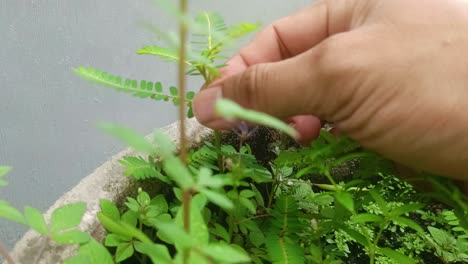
106	182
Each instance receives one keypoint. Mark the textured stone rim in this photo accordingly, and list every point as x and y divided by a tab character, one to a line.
106	182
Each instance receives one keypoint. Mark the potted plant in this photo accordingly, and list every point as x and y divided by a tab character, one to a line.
247	196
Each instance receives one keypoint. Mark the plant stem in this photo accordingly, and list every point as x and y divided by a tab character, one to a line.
241	142
376	241
186	195
182	80
218	149
329	177
274	188
186	198
5	254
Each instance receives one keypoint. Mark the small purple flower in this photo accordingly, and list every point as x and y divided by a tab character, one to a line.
242	130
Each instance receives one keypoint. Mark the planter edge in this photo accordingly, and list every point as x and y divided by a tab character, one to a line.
106	182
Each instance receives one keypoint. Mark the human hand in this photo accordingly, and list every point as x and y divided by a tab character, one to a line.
392	75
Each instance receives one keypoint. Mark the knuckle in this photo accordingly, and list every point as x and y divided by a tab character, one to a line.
251	81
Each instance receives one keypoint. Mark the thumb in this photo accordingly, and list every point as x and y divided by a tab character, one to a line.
306	84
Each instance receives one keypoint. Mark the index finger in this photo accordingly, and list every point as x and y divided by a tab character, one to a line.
286	37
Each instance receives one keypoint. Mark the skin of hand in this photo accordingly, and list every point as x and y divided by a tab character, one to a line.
392	75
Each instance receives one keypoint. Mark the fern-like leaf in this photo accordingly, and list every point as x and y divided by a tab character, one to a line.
145	89
164	53
142	89
140	169
211	27
283	226
241	29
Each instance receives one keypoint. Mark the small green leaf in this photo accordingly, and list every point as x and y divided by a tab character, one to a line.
258	196
95	252
364	218
408	222
189	111
129	137
190	95
345	199
206	179
440	236
257	238
218	199
121	228
231	111
177	193
140	168
221	232
67	216
173	90
11	213
109	209
199	233
130	218
132	204
121	84
35	220
358	237
247	193
241	29
247	203
171	232
160	202
143	198
124	251
113	240
225	253
158	87
71	237
177	171
380	201
406	208
396	256
4	170
157	253
167	54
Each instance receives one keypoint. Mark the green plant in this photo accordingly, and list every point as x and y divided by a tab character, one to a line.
329	202
292	210
61	227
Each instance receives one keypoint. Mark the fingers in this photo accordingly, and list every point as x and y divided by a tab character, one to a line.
279	71
283	39
307	126
292	35
313	83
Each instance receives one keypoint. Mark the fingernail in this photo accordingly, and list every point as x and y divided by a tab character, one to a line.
203	105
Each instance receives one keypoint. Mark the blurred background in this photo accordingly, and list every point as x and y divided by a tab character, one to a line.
48	114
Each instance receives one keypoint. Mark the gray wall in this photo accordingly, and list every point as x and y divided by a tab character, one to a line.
48	115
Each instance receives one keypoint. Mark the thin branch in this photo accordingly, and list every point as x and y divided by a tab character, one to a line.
182	80
183	140
6	255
